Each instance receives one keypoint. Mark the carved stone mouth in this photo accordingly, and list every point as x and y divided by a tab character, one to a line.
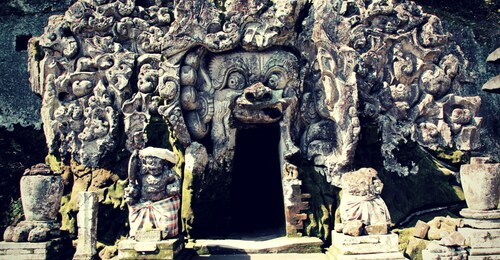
259	113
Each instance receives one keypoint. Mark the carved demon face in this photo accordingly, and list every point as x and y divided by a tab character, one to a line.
259	83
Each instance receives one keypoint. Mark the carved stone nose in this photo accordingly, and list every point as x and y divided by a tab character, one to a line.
258	92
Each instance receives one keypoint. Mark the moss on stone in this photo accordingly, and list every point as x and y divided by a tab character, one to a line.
322	205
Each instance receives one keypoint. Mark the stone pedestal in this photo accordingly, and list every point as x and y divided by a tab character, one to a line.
364	247
481	230
52	249
165	249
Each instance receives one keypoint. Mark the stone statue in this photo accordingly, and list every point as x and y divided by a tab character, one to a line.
153	193
361	199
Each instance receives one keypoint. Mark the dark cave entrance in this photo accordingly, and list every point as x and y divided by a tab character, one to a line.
257	206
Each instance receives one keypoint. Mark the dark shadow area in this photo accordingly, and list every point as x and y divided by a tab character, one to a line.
256	193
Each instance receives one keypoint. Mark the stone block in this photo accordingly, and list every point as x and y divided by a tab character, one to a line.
349	245
481	238
421	229
441	227
52	249
353	228
378	229
436	251
454	239
148	236
165	249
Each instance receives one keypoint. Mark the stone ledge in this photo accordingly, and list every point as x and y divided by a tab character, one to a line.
480	214
52	249
256	246
481	223
379	256
372	244
483	257
485	251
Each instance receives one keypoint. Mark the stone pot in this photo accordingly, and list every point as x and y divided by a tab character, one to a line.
41	196
481	184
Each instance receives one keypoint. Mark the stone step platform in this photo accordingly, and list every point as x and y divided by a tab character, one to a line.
302	245
54	249
288	256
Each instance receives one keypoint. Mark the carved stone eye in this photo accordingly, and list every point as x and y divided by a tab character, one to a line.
235	80
273	80
276	80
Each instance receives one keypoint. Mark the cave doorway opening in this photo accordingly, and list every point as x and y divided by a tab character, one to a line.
257	206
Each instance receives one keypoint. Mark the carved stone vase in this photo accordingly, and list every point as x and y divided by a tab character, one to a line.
41	196
481	184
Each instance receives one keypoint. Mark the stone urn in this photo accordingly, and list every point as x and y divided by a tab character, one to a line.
41	193
481	183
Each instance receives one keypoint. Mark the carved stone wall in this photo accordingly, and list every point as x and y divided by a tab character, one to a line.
106	68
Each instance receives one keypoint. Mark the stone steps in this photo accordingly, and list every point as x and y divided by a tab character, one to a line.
257	246
285	256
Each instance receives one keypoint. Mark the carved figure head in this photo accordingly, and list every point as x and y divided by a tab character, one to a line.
259	80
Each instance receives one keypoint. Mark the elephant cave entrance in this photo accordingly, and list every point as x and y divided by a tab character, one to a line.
257	207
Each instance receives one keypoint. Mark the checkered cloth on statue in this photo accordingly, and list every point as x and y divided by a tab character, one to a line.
153	194
156	215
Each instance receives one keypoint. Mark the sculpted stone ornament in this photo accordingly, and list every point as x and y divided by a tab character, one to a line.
153	193
311	68
361	203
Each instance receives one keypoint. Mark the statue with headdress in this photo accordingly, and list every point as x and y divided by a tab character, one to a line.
153	193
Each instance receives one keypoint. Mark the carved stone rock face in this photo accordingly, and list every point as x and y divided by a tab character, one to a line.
263	83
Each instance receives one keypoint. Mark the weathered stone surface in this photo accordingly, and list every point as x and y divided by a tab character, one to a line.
361	204
494	56
481	224
377	229
148	235
453	239
380	256
484	251
166	249
421	229
492	85
441	227
330	68
481	185
53	249
488	257
267	246
353	228
87	225
480	214
41	193
436	251
481	238
349	245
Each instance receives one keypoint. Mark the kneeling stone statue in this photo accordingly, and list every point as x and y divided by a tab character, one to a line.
361	207
153	193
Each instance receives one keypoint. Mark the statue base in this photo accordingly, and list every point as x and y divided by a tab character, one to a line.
364	247
165	249
56	248
481	230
